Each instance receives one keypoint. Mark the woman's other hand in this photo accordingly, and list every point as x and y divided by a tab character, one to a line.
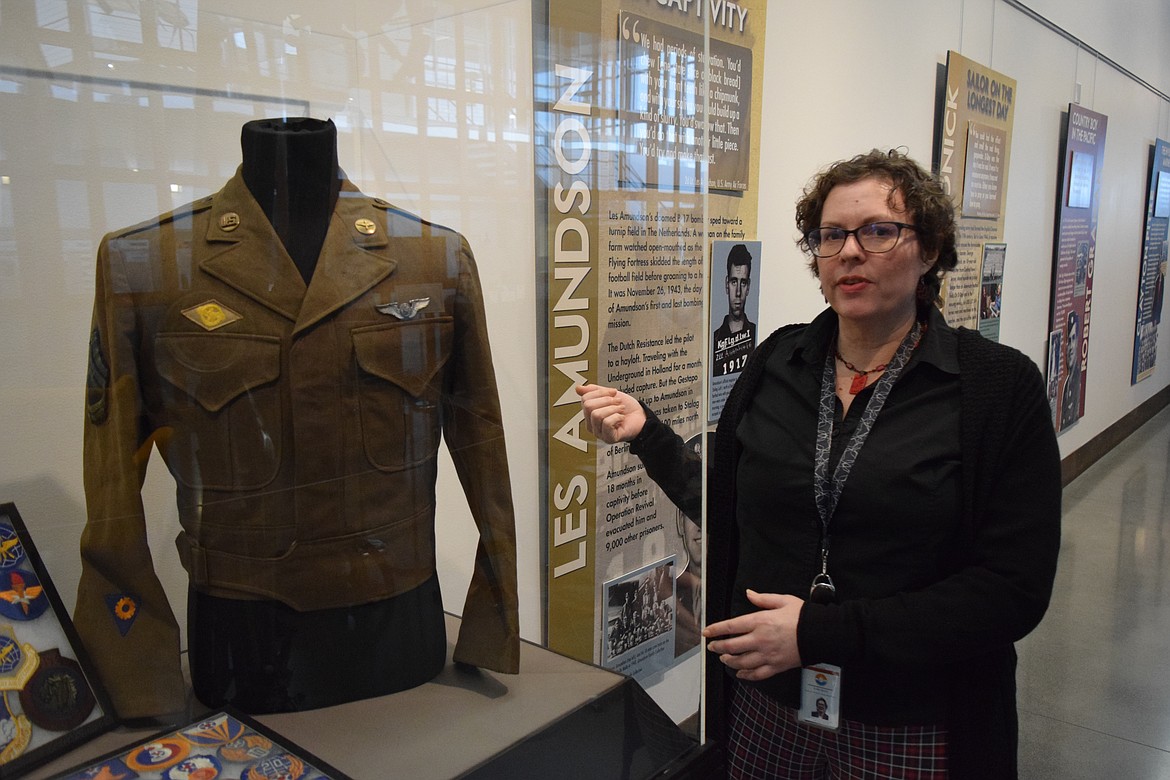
759	644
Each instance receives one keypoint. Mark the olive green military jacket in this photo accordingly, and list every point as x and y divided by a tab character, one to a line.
301	426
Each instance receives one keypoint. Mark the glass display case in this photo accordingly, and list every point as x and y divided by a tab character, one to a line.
280	283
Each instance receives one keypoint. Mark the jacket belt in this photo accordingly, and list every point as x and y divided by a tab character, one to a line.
320	574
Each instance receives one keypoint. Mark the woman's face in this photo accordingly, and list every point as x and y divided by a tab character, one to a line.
877	291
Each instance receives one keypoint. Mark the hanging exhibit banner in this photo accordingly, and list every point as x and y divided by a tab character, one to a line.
973	140
1155	253
1074	252
643	159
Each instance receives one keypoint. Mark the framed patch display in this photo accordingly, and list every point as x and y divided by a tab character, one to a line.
50	697
222	745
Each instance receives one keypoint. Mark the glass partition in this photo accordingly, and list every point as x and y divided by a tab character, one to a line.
250	391
243	367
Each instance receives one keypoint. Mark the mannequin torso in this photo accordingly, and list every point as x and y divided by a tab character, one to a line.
262	656
290	167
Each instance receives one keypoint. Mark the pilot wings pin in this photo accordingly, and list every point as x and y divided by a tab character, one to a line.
404	311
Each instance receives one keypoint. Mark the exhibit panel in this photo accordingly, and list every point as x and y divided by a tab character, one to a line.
1154	257
647	143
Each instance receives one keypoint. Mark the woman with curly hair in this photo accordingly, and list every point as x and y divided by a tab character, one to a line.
883	513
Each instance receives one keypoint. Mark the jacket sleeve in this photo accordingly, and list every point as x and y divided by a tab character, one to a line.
122	613
1006	563
489	636
670	464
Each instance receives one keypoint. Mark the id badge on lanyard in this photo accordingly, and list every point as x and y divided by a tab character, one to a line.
820	684
820	696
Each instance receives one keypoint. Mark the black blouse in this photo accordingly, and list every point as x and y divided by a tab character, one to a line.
897	520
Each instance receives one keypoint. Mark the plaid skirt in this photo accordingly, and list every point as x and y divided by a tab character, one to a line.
766	741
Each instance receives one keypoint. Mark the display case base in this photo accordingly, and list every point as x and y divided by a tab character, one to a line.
557	718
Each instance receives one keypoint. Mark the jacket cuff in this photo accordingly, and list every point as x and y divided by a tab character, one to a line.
654	429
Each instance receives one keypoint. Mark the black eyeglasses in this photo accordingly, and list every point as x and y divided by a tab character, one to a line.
876	237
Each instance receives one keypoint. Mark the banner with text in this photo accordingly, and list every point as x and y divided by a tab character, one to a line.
1155	253
1074	253
643	159
972	146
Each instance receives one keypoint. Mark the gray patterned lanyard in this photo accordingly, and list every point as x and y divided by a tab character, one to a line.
828	489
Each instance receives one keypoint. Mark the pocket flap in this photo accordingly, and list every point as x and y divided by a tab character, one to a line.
409	354
216	368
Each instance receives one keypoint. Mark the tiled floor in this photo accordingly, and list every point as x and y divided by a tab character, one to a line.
1094	678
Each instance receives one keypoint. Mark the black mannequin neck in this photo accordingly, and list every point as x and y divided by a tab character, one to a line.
290	167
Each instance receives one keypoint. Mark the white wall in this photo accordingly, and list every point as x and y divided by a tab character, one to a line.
1132	33
877	61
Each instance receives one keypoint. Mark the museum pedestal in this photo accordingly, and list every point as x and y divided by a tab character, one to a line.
557	718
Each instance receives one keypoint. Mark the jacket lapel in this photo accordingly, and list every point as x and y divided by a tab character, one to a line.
353	258
244	252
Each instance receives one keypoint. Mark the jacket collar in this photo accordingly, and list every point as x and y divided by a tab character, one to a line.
939	346
244	252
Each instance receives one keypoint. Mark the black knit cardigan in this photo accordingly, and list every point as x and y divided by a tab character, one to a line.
1005	418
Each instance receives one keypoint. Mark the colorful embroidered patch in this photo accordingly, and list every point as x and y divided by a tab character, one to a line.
17	661
158	755
58	697
110	769
195	768
124	608
282	767
21	595
15	732
11	550
251	747
97	381
216	731
211	315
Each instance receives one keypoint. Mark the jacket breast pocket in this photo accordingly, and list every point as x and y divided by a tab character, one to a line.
224	408
399	387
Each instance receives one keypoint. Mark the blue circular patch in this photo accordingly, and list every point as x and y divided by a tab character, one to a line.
21	595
